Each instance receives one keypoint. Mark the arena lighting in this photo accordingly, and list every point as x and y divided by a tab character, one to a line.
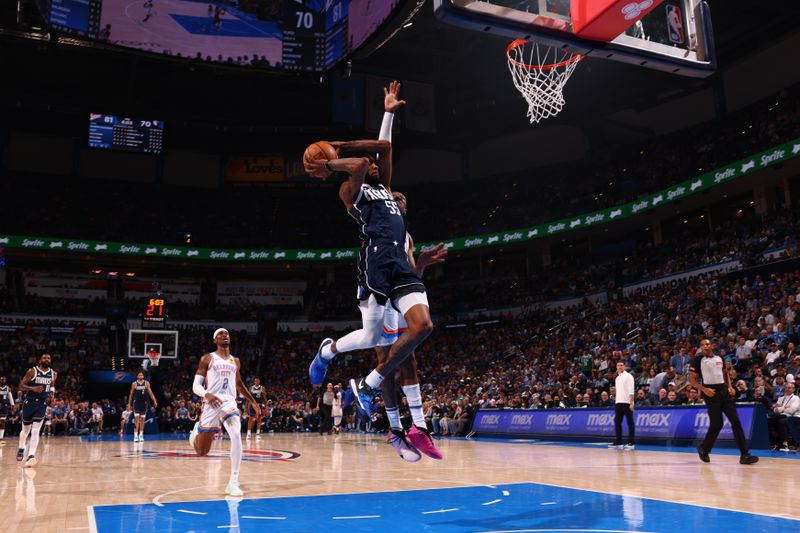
96	271
130	274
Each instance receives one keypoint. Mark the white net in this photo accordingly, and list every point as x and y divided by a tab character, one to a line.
540	73
154	356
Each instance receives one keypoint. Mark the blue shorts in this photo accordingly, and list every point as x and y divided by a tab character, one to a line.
383	270
140	408
33	411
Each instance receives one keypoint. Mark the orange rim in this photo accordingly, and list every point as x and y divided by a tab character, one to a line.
519	42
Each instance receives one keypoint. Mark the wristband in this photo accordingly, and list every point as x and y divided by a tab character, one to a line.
328	166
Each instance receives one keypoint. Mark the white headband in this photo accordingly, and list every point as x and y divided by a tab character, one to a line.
217	332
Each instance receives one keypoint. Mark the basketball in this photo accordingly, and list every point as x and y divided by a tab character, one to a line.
320	150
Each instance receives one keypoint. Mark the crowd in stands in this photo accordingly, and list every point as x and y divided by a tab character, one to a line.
744	238
547	358
277	218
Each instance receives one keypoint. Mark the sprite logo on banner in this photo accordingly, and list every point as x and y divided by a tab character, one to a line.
643	204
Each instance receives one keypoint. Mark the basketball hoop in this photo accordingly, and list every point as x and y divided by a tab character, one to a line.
154	357
540	73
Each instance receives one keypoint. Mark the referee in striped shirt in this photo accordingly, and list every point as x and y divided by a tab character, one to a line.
718	394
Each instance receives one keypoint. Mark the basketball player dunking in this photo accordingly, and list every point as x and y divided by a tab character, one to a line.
38	384
255	419
137	398
384	271
6	403
219	372
393	325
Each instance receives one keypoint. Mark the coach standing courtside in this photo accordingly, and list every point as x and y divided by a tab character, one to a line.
718	393
623	407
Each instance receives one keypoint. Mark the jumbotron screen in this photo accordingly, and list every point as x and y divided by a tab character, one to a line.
301	35
128	134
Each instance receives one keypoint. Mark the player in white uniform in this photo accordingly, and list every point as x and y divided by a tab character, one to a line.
217	382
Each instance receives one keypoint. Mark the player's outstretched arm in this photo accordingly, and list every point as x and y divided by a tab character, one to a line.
433	256
380	147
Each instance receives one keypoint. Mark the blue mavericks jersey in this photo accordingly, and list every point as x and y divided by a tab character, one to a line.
43	378
5	395
378	215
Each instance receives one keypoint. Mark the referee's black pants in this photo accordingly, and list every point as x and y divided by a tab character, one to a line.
720	403
623	410
327	418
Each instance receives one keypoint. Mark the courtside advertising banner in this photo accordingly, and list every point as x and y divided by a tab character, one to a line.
659	423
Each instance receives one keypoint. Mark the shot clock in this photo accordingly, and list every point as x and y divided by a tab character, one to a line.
154	314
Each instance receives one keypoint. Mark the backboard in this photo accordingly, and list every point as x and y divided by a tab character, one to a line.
669	35
144	341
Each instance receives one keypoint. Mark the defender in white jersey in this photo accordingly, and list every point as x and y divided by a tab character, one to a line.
393	326
217	382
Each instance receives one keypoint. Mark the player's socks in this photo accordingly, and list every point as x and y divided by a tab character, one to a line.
414	398
393	414
374	380
2	433
36	428
23	439
234	432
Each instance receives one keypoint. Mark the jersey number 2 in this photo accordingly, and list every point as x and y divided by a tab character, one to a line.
225	384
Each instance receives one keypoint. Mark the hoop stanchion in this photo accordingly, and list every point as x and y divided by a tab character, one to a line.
540	73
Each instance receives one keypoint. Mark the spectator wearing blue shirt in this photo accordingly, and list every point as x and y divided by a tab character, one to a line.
680	361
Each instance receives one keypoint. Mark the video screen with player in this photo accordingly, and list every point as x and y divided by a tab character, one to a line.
300	35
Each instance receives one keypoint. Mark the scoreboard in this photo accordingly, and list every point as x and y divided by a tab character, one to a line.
76	17
313	39
128	134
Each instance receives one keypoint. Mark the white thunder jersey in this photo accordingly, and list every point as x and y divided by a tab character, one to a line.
221	378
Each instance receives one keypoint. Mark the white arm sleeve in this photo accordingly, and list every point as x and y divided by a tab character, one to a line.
198	388
386	127
10	399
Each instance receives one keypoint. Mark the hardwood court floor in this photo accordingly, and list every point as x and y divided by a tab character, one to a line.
73	475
